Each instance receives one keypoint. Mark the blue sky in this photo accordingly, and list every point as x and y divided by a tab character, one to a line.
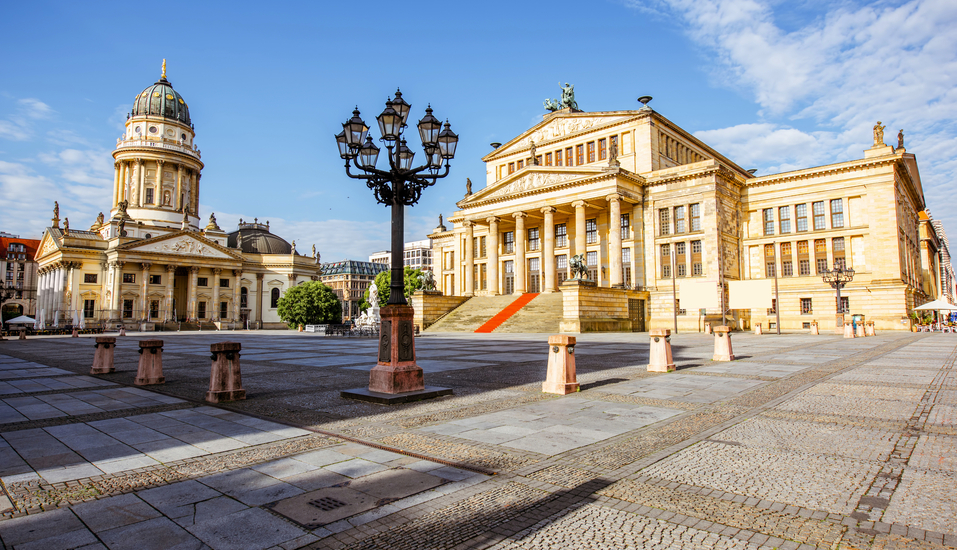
773	85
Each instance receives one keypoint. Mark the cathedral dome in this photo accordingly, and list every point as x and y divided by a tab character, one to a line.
255	238
161	99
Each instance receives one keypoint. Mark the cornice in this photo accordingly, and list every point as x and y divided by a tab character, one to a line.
594	177
819	171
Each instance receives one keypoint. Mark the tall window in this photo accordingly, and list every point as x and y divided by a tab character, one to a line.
626	266
538	160
774	307
679	219
681	265
475	249
820	255
602	149
837	244
845	305
482	243
837	213
696	267
769	221
666	261
89	308
625	225
568	156
548	159
561	235
591	261
483	275
561	263
223	310
533	238
579	155
511	167
558	157
591	231
806	306
614	143
154	309
591	151
274	298
769	263
509	242
149	195
784	218
201	313
664	221
244	298
127	309
695	217
818	208
520	164
787	268
804	263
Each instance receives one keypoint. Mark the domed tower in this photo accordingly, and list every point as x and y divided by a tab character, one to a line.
157	163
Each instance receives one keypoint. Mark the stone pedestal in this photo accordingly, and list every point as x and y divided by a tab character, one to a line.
757	329
869	329
150	369
815	330
859	331
103	356
23	334
122	331
225	380
659	358
849	331
75	334
722	344
707	328
561	378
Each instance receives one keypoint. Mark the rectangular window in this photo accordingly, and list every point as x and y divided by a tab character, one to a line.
784	217
774	307
769	263
561	261
223	310
664	221
483	274
845	305
591	261
154	309
482	247
695	217
837	213
509	242
149	195
89	277
156	279
591	151
533	238
769	221
475	248
202	281
129	277
679	219
201	313
89	309
680	257
805	267
224	283
602	149
626	266
538	160
837	245
625	226
511	167
127	309
818	208
561	235
568	156
591	231
579	155
666	261
697	269
787	268
520	164
548	159
558	157
820	255
614	144
800	211
806	306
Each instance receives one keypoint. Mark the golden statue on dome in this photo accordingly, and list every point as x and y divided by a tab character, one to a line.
164	69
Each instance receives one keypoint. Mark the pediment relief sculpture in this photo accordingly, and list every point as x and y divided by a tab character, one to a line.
561	127
183	245
535	180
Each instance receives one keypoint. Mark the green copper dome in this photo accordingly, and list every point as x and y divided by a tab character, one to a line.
161	99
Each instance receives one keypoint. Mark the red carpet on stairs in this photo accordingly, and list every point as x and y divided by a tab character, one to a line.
509	310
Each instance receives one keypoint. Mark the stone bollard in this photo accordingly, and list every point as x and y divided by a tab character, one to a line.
122	331
659	358
150	370
722	344
757	329
814	329
300	328
561	378
23	334
707	328
225	381
848	330
859	331
869	329
75	334
103	356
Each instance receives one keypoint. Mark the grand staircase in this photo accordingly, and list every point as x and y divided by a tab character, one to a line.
542	314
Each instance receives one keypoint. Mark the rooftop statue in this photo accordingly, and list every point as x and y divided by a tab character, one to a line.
567	101
56	209
900	139
66	226
878	134
99	218
468	186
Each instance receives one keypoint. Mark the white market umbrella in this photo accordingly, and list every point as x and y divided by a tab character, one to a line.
22	320
937	305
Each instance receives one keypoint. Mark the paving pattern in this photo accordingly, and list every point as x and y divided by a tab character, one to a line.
804	442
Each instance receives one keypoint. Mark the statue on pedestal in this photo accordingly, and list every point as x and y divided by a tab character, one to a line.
878	135
900	139
468	186
428	280
579	267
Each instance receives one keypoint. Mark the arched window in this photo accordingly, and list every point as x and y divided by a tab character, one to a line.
274	302
244	298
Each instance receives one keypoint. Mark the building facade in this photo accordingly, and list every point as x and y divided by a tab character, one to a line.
645	202
416	255
349	279
149	261
19	271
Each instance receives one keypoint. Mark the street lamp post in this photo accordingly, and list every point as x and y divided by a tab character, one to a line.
837	278
399	186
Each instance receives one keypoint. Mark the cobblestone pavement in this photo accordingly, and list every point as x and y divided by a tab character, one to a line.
804	442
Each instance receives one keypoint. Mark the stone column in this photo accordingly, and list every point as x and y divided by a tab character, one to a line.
469	259
144	293
139	176
493	256
638	250
194	196
177	200
520	238
614	239
117	279
158	191
259	297
579	227
238	283
117	174
170	278
214	315
124	177
548	253
191	303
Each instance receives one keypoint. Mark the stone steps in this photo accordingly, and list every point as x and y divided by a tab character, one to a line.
472	314
543	314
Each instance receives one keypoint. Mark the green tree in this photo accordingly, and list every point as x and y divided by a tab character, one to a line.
384	279
310	303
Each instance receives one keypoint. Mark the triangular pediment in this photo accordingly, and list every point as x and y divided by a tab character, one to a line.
182	243
560	126
525	180
48	245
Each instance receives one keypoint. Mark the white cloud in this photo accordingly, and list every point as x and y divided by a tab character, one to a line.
34	108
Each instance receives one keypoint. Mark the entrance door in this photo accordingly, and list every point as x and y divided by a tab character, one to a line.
180	294
509	277
636	312
534	275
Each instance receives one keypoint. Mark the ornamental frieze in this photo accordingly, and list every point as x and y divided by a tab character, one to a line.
535	180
